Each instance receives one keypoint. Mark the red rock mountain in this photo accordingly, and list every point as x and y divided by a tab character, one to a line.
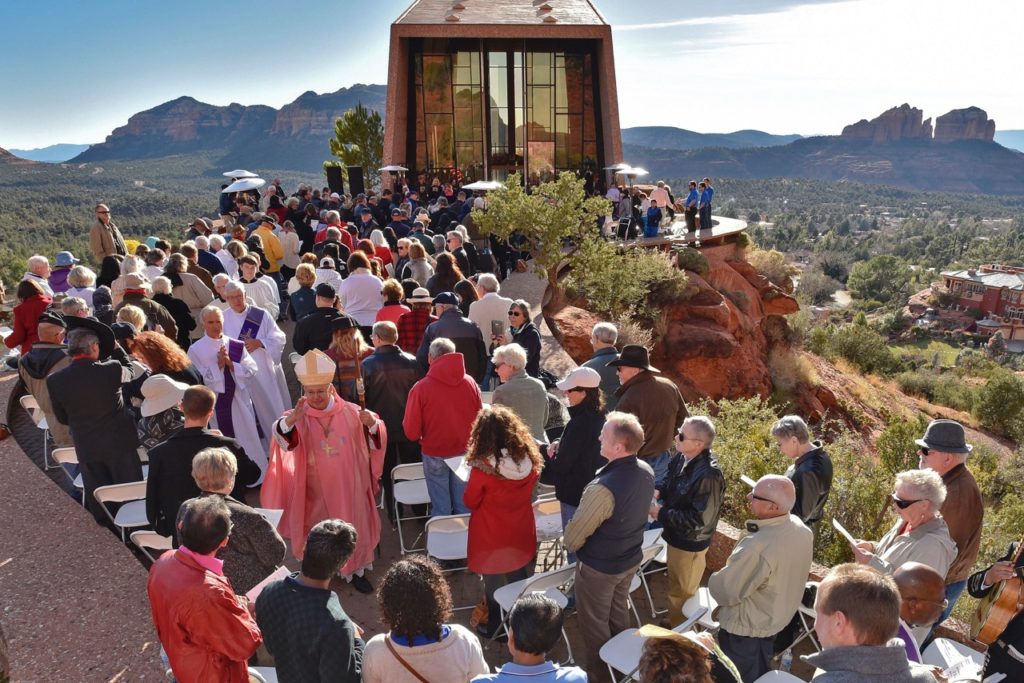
904	123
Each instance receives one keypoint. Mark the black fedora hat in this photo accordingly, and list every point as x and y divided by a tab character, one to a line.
946	436
103	331
634	356
344	322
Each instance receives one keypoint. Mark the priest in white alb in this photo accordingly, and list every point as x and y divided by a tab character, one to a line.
326	460
264	341
228	369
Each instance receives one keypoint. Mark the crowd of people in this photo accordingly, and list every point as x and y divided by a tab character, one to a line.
646	213
406	353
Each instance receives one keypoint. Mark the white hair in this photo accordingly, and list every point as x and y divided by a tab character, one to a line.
455	235
233	287
216	242
220	278
162	285
924	485
333	216
704	427
211	310
510	354
130	264
80	276
440	347
377	237
37	262
202	242
606	333
488	282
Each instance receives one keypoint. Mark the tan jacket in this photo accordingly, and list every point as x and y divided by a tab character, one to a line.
761	586
103	240
193	292
659	406
963	512
36	386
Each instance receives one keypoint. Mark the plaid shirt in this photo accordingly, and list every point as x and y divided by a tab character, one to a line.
309	634
411	327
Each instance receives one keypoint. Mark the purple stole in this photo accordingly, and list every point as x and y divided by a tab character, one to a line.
223	406
251	326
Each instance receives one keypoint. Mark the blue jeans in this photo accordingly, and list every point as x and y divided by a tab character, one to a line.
659	463
487	381
567	512
443	487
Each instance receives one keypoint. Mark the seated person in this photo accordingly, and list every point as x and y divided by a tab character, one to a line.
303	624
255	549
675	660
534	626
856	616
922	600
415	605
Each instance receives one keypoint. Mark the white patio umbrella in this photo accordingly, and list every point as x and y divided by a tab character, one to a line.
617	167
239	173
244	185
483	185
393	168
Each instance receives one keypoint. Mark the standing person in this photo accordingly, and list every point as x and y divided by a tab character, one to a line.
1006	654
302	301
170	482
811	471
304	626
187	286
104	237
415	605
462	332
325	463
689	504
412	325
393	308
489	311
389	375
573	460
439	416
184	319
653	219
262	290
655	401
360	293
603	338
704	206
316	330
524	395
347	350
271	245
504	465
205	629
86	396
944	450
523	332
857	613
228	369
762	583
607	535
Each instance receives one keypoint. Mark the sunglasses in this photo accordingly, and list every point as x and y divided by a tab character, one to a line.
903	504
514	314
766	500
923	451
580	389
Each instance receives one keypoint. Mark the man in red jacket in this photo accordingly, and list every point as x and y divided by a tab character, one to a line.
439	415
206	630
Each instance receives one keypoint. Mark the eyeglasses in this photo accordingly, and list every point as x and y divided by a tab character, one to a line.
903	504
514	314
766	500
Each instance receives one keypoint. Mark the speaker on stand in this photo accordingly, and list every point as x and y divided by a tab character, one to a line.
334	179
355	180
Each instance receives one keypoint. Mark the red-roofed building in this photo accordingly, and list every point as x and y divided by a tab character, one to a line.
998	292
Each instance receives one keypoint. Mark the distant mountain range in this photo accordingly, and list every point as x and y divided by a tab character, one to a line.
293	137
53	153
668	137
1014	139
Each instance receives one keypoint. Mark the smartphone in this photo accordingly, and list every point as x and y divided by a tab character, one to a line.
498	328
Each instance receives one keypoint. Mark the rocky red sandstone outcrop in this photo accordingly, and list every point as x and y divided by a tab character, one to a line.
905	123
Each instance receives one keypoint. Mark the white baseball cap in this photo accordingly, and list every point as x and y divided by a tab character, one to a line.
581	378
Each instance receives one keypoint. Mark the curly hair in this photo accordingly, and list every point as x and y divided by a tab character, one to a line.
414	598
674	660
499	432
160	353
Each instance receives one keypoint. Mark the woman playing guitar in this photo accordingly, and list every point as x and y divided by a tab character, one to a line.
1006	653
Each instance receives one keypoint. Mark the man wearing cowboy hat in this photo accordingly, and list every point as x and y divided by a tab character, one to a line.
48	356
325	463
944	449
86	396
656	402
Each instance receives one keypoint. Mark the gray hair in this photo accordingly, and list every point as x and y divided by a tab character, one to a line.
791	426
333	233
130	264
924	485
606	333
161	285
441	347
216	242
333	216
704	428
233	287
80	276
211	310
202	242
386	330
454	235
176	263
80	341
73	305
510	354
221	277
488	282
36	262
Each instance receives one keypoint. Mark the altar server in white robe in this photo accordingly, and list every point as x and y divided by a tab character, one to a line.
265	342
259	287
228	369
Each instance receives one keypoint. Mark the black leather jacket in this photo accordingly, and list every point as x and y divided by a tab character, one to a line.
389	374
691	498
811	474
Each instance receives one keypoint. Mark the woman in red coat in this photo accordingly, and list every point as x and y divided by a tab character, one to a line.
26	316
505	464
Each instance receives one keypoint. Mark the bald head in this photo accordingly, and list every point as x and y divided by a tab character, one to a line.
50	333
773	496
922	593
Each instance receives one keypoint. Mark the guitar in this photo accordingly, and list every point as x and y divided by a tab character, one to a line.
999	607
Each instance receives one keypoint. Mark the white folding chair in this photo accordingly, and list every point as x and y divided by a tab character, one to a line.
547	516
132	513
944	652
263	674
703	600
651	537
410	488
448	537
622	652
271	515
549	583
778	677
31	406
67	458
649	553
806	616
151	540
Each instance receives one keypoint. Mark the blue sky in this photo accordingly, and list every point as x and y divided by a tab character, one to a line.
71	71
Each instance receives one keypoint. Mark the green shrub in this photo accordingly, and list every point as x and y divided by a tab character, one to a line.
692	259
1000	403
772	264
863	347
818	342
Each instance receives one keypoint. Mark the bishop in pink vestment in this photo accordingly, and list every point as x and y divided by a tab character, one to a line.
325	463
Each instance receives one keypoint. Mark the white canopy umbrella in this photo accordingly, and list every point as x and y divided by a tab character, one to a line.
617	167
631	173
244	184
393	168
240	173
483	185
